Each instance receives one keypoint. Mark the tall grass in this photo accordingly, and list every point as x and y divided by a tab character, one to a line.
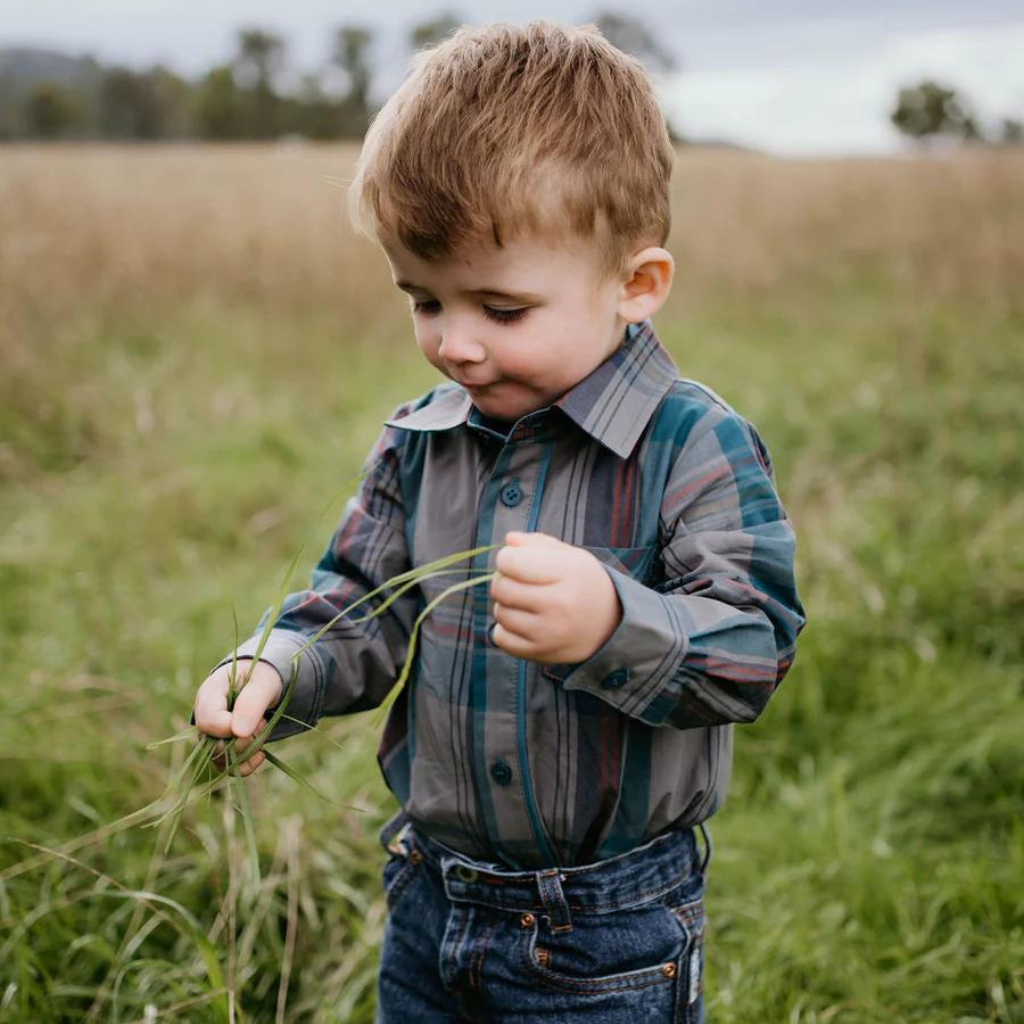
195	354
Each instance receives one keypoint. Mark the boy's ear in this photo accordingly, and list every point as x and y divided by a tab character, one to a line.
646	284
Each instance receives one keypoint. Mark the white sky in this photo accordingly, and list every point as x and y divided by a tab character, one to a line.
790	76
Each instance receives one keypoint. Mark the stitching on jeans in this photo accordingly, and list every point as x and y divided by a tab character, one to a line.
592	908
618	905
401	882
463	928
597	986
482	947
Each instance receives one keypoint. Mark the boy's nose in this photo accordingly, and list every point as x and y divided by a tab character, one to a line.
459	346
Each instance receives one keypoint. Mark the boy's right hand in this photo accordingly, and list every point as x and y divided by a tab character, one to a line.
263	690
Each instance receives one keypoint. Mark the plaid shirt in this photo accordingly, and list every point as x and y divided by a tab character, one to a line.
540	765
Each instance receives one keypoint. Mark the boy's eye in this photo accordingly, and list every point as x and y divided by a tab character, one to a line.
502	316
505	316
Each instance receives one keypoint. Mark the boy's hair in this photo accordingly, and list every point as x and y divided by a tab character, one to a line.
504	130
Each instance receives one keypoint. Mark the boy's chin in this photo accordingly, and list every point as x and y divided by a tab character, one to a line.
491	402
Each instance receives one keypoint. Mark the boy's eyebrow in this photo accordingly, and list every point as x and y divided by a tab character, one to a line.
408	286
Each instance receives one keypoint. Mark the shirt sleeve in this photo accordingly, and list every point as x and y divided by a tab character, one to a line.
353	666
709	644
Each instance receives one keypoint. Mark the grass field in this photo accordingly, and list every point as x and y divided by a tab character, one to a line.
195	356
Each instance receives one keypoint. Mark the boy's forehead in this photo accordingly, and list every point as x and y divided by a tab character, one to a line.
479	265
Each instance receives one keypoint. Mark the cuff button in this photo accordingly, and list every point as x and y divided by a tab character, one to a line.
615	679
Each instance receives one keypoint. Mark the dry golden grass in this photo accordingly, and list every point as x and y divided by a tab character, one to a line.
95	229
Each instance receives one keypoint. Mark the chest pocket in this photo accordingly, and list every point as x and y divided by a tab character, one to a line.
640	563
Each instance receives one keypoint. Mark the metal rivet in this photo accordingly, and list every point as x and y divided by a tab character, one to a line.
415	857
543	956
669	970
526	921
466	874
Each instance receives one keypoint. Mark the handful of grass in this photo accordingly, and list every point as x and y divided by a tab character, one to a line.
206	768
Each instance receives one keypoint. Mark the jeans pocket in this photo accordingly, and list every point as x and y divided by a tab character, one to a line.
691	918
399	870
623	950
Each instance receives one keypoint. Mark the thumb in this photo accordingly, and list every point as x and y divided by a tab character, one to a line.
257	695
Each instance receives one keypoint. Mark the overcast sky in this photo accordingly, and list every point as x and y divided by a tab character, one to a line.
790	76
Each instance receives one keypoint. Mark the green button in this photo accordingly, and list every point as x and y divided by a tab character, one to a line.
466	874
617	678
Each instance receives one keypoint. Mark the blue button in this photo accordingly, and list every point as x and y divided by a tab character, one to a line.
512	494
501	773
615	679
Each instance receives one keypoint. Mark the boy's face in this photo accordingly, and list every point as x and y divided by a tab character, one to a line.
518	326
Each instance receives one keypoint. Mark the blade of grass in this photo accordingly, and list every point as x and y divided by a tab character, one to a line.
407	666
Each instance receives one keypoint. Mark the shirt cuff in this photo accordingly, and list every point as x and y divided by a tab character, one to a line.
307	696
635	664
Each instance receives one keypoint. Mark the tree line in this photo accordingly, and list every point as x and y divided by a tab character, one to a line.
253	95
931	110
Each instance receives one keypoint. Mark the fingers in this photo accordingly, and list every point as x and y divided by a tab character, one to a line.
263	690
525	625
513	593
520	539
247	767
533	564
512	643
211	707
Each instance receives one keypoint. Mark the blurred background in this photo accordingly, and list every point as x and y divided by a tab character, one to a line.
792	76
196	352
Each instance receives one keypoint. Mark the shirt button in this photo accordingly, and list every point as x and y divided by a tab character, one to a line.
511	494
501	773
615	679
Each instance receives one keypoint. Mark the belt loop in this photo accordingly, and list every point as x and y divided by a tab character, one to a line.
398	842
549	884
707	847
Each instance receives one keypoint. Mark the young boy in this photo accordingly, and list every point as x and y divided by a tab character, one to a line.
567	728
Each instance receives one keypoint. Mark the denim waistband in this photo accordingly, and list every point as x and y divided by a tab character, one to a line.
617	883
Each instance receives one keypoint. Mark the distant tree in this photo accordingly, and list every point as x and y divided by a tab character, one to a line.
258	61
929	110
174	97
428	33
9	105
312	112
219	107
51	110
128	106
632	36
351	54
1012	133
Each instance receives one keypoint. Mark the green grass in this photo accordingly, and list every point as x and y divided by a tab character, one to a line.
869	858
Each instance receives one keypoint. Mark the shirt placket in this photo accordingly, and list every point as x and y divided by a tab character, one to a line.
510	501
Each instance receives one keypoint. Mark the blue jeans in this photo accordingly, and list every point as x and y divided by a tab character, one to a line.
616	942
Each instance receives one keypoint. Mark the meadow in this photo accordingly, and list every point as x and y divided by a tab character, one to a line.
195	353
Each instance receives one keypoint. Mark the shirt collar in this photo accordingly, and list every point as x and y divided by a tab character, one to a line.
613	404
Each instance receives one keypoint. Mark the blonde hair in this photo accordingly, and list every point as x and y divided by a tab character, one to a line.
503	130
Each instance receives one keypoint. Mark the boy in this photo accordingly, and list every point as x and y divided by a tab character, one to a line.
566	729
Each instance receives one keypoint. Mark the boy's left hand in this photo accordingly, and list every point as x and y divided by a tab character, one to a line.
553	602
